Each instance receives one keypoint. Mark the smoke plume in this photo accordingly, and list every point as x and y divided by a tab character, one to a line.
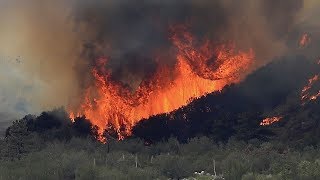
126	30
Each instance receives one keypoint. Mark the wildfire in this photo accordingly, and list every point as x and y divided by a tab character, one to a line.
305	89
270	120
201	68
305	93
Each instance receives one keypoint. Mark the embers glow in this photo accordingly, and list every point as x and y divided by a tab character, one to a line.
306	95
304	40
270	120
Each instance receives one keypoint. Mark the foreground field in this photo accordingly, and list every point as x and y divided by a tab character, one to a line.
200	158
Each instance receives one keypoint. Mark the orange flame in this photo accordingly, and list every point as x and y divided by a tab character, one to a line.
305	94
311	82
314	97
270	120
200	69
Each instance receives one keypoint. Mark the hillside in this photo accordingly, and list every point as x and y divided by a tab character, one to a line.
273	90
50	146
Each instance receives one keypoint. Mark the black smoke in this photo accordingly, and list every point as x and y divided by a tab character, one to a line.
134	34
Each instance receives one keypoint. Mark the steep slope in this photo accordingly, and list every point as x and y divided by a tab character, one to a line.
238	110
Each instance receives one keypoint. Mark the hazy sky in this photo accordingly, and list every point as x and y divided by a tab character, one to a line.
36	56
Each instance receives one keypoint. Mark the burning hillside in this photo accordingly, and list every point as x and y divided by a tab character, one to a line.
201	67
141	62
159	89
120	62
310	91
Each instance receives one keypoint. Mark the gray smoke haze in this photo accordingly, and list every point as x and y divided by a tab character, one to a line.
37	51
47	47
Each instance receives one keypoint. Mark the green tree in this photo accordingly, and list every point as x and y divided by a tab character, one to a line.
19	140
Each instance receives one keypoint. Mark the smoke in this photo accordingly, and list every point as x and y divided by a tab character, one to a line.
38	50
310	13
47	47
125	30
